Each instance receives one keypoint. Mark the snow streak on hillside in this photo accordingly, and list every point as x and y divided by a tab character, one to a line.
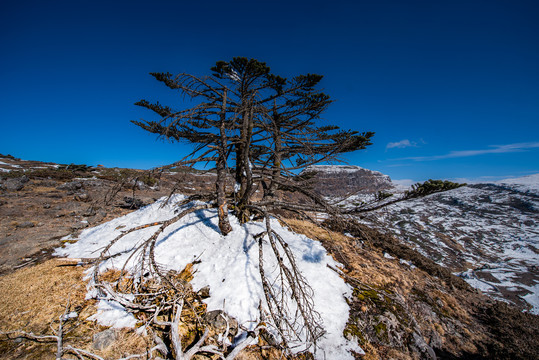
487	233
229	265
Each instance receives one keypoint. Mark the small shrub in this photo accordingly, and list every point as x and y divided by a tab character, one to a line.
75	167
56	174
149	180
9	156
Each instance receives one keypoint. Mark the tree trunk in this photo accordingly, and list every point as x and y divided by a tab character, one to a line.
246	175
277	156
224	224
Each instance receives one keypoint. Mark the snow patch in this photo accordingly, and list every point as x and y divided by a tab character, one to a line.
533	299
110	313
8	164
341	169
229	265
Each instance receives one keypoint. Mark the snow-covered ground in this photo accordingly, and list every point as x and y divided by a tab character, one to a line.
487	233
229	265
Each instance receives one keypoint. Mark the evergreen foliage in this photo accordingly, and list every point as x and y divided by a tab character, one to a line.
255	125
260	130
430	187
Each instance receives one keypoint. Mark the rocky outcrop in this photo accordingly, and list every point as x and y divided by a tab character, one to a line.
339	180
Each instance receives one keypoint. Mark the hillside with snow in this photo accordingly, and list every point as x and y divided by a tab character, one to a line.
369	293
486	233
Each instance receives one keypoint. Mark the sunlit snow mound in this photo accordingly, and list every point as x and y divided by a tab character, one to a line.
229	265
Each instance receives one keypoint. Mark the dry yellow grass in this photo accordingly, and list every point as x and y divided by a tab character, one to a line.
43	189
367	265
33	299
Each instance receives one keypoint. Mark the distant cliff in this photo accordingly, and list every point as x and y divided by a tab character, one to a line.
338	180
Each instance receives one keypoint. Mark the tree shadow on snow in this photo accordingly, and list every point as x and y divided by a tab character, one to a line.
200	219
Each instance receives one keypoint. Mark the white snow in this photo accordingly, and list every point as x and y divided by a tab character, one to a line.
404	183
533	299
229	265
407	262
70	315
473	280
529	183
112	314
12	165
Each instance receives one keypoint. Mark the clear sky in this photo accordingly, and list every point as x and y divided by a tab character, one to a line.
451	88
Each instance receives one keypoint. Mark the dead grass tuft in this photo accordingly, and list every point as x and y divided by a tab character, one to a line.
127	343
43	189
32	300
368	266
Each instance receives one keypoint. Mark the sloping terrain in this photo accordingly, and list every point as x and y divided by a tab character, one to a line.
402	305
402	311
486	233
40	203
229	265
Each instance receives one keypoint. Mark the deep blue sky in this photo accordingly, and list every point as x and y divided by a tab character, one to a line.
451	88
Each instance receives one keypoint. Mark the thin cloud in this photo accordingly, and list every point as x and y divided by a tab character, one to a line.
479	179
494	149
401	144
404	182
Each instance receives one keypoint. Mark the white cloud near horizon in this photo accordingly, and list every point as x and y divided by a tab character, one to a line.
404	182
493	149
485	179
401	144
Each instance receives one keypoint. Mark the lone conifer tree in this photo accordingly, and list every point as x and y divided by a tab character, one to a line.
260	126
259	130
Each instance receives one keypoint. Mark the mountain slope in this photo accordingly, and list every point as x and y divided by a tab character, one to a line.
487	233
229	265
